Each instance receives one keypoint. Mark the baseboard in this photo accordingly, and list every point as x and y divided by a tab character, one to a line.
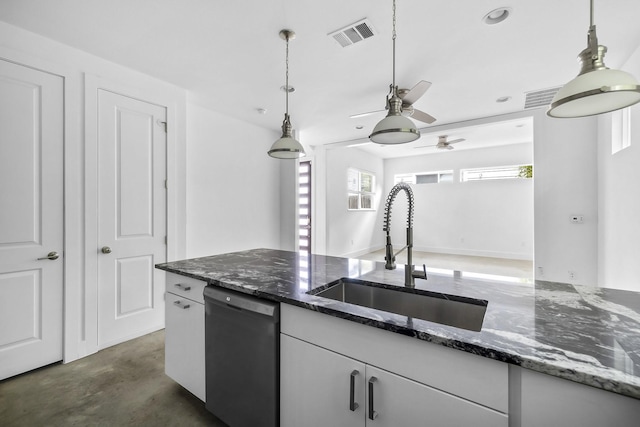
138	334
476	252
450	251
361	252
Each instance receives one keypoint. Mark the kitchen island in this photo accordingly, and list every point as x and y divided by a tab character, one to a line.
590	336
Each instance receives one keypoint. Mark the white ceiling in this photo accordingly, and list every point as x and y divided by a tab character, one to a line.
476	135
229	54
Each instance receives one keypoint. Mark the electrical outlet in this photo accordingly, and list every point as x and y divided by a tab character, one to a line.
572	274
540	271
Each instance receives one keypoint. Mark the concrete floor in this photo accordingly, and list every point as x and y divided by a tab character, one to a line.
123	385
518	270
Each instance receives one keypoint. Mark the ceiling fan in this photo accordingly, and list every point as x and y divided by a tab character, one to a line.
408	97
443	143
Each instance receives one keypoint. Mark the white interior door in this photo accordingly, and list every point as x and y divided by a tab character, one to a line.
31	218
131	217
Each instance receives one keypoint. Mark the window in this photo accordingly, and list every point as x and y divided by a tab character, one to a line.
499	172
620	130
424	177
361	189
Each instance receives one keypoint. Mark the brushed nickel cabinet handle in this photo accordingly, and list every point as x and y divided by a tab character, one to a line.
352	385
372	414
182	287
181	304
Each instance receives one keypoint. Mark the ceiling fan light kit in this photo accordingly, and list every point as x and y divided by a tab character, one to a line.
287	147
597	89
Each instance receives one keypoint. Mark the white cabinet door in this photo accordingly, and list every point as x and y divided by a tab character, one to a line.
315	387
184	344
132	217
552	401
31	218
399	402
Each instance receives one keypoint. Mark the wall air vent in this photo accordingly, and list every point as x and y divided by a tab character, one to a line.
353	33
539	98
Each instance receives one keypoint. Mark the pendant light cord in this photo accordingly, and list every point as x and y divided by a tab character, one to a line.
286	79
393	37
592	39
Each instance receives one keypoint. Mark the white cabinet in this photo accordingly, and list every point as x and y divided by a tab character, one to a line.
398	401
315	386
322	388
184	333
552	401
414	383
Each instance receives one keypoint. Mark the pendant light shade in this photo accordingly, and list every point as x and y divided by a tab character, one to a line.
597	89
287	147
395	128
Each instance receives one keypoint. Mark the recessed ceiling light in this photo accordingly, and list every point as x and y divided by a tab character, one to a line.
503	99
497	15
261	110
359	127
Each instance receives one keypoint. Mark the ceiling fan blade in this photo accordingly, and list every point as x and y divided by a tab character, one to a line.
416	92
426	146
456	140
355	116
422	116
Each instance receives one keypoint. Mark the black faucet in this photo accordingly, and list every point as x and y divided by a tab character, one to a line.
409	273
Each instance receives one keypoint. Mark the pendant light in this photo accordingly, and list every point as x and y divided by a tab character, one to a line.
287	147
395	128
597	89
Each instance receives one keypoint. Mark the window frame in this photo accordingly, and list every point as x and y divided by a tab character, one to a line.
413	177
516	173
360	194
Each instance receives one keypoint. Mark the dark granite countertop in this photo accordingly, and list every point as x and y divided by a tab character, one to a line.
588	335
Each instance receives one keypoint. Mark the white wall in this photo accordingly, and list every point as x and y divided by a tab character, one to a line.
217	167
565	168
483	218
352	233
80	250
619	201
233	186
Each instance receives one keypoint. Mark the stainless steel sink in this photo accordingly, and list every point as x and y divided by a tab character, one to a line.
452	310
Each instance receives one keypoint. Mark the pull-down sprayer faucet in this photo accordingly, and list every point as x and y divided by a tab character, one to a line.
409	273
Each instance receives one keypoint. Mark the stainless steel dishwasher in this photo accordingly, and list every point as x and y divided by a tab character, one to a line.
242	344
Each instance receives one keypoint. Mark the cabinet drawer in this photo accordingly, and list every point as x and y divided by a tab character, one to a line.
186	287
184	343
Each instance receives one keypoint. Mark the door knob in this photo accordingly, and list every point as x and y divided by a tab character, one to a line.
51	255
106	250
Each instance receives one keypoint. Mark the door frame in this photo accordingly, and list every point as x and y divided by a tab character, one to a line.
75	67
92	83
72	204
25	62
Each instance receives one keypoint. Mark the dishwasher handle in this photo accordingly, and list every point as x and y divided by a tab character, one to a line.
240	301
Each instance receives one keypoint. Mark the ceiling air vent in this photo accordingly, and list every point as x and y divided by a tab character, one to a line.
353	33
539	98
